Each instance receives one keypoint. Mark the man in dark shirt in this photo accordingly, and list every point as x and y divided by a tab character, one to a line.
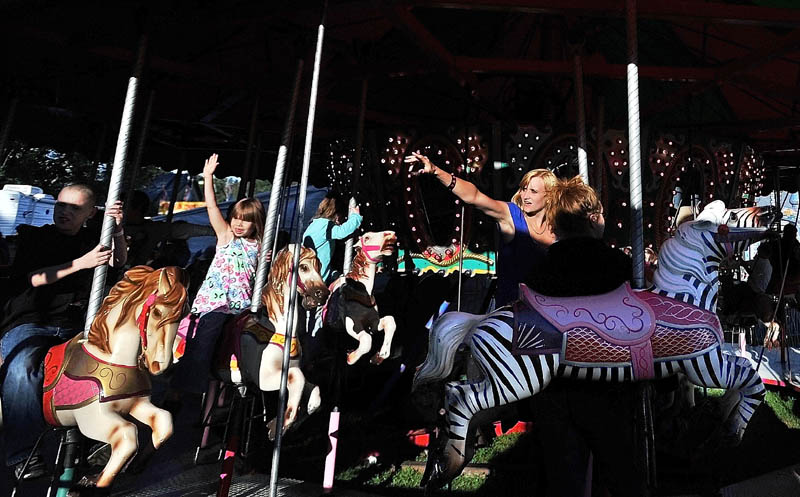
50	280
572	418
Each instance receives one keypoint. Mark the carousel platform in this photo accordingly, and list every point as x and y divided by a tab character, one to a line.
773	370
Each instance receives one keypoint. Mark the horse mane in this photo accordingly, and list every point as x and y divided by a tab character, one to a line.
272	297
358	268
133	289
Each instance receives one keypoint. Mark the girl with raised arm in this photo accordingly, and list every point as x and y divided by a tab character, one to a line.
228	286
525	233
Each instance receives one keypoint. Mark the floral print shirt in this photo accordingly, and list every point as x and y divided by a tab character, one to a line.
228	286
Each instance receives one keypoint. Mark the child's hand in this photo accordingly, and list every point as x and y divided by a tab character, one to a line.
210	166
115	210
355	210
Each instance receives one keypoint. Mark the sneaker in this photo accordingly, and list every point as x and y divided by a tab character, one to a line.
36	469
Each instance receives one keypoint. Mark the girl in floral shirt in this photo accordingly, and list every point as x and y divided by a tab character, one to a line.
228	286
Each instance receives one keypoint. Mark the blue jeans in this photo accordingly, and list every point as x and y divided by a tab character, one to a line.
23	349
191	373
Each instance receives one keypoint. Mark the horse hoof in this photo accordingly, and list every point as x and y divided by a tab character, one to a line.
314	401
376	359
352	358
271	429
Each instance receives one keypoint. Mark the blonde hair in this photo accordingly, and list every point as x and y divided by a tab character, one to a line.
548	178
569	206
252	210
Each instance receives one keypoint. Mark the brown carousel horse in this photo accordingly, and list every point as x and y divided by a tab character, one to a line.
92	384
256	342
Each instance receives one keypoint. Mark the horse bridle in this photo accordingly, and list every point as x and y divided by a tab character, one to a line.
366	249
144	316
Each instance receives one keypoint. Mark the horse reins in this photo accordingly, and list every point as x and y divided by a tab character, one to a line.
366	249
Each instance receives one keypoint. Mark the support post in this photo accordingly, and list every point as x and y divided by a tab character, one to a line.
251	184
644	420
580	121
600	145
137	159
362	109
251	138
312	106
271	227
117	174
6	132
176	188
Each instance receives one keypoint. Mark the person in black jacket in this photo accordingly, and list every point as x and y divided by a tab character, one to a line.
571	418
50	281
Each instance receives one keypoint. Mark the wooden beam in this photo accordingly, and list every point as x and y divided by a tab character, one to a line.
753	60
591	68
714	12
403	20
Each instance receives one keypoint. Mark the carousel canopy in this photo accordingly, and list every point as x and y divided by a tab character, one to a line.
724	67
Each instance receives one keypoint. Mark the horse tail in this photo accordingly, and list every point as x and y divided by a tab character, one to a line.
448	332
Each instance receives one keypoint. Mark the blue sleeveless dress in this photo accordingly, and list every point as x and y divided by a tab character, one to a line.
516	259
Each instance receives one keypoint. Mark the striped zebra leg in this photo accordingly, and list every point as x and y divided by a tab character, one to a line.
745	390
467	403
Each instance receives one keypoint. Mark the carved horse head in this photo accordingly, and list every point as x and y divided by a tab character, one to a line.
688	263
309	281
371	247
148	303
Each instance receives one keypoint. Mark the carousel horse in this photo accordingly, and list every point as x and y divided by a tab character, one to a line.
621	336
351	306
256	341
93	384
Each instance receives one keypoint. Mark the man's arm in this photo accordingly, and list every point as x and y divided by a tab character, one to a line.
50	274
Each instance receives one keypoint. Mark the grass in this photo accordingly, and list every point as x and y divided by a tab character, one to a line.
775	430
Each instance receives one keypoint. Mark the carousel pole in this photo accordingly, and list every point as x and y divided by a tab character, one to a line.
600	131
644	422
251	185
580	121
312	107
6	132
115	184
275	194
176	188
348	246
137	159
251	138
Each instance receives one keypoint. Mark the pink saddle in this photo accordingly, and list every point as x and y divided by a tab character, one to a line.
616	328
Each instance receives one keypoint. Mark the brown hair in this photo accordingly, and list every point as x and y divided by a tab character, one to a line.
548	178
332	208
169	284
252	210
272	298
570	203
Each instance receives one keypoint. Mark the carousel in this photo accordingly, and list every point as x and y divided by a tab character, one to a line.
395	368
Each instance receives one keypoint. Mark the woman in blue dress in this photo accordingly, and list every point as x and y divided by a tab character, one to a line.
524	231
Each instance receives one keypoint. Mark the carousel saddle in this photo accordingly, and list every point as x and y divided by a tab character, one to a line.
619	328
74	378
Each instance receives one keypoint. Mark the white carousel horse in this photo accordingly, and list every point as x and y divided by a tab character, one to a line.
257	341
619	336
352	306
93	384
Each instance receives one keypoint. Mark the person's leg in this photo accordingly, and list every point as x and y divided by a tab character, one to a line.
567	454
191	374
24	348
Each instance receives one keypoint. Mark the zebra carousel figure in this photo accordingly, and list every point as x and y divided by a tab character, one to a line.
621	336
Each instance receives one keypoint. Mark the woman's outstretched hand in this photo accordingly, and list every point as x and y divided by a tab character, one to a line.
210	165
424	165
